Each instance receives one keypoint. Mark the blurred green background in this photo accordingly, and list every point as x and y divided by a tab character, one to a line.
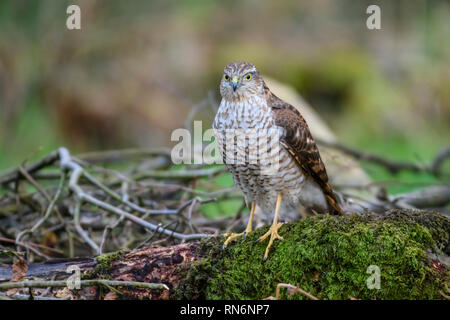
133	72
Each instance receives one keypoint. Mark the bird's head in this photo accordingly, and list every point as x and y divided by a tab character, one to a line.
240	81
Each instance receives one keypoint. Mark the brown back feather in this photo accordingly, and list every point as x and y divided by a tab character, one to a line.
298	141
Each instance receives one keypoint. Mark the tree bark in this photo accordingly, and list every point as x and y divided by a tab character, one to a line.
165	265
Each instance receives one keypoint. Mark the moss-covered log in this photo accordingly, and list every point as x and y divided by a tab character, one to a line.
329	257
326	256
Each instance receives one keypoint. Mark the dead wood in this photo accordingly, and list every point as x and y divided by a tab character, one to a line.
165	265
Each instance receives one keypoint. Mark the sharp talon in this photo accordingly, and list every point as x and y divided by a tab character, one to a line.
257	240
231	237
264	259
272	234
245	235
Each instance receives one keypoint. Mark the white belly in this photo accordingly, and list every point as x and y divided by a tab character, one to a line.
261	167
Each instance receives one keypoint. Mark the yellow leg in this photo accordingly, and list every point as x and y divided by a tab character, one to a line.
273	231
233	236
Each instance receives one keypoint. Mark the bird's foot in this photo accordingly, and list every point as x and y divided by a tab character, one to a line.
231	237
273	233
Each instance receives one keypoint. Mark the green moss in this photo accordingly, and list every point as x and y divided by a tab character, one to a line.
328	257
104	263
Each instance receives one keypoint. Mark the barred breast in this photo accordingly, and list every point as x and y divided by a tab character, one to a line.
247	138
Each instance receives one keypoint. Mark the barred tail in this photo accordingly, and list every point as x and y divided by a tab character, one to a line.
334	207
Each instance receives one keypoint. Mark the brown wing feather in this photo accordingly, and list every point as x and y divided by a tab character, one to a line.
298	141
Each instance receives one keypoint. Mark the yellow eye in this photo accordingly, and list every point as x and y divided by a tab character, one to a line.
226	77
248	77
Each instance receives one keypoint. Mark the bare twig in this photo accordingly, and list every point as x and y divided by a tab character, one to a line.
67	164
81	232
47	212
33	182
18	296
392	166
109	156
30	244
27	246
443	294
292	290
181	174
85	283
439	160
176	187
430	197
13	174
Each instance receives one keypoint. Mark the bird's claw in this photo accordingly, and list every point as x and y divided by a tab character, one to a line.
272	234
231	236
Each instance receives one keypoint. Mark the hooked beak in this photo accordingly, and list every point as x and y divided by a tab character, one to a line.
234	83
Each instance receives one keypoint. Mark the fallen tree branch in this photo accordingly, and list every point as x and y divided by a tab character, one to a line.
392	166
430	197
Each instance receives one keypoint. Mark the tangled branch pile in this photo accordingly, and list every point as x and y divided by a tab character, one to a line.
79	208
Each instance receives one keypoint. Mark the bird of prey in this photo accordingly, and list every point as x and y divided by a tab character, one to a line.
268	148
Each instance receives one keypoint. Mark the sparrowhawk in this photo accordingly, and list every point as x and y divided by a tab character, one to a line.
267	146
